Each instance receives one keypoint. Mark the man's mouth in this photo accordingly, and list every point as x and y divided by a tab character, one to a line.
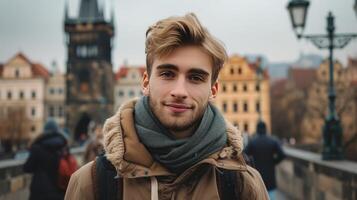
178	107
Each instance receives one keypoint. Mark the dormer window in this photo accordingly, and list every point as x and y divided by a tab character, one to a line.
17	73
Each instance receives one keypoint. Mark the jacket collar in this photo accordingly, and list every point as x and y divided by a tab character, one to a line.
131	158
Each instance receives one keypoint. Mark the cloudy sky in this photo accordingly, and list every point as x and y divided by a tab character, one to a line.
35	27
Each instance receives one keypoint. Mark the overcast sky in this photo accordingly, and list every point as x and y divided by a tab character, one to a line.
35	27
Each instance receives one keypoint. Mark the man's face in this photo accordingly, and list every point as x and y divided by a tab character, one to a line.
180	87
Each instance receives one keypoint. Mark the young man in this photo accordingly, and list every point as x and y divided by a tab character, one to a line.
172	143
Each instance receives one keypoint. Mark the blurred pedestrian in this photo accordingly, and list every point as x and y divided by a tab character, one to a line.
266	152
43	163
95	145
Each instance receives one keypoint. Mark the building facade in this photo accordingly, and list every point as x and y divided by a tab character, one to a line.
22	97
128	84
55	97
89	76
240	96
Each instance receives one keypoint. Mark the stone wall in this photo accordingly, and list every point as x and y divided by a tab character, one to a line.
303	175
14	183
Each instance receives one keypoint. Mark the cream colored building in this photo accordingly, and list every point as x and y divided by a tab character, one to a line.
56	96
22	87
240	97
128	84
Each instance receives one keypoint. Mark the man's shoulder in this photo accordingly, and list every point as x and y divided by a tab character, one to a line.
80	185
85	170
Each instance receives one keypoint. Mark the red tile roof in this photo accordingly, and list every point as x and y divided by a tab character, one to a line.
123	71
302	77
254	67
37	69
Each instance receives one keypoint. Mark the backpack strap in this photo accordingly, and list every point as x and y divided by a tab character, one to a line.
229	183
106	184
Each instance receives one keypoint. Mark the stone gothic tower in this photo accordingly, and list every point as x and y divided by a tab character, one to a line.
89	77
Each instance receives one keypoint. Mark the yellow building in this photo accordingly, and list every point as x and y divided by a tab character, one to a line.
240	97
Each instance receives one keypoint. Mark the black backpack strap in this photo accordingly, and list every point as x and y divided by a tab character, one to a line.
106	184
229	184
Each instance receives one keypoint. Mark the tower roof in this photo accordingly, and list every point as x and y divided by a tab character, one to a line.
89	11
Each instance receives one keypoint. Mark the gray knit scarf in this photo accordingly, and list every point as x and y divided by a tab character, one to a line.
179	154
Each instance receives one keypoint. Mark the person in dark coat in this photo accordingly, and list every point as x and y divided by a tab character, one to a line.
43	163
266	152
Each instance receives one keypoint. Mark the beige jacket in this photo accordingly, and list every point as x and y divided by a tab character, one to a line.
143	178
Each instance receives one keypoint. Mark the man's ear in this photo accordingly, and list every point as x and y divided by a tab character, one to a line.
145	84
214	91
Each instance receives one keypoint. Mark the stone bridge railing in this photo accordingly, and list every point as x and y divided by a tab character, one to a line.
303	175
14	183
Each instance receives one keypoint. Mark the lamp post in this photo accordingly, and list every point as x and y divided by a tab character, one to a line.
332	129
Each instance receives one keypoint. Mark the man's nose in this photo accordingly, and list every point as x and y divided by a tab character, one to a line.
179	89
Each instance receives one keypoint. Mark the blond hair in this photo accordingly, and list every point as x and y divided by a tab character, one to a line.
168	34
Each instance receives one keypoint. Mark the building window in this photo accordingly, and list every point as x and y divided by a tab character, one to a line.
33	111
9	95
17	73
257	87
246	127
60	90
232	71
239	70
224	107
257	107
224	88
21	95
131	93
234	87
245	107
33	94
245	87
51	111
60	111
52	90
235	123
235	107
120	93
33	128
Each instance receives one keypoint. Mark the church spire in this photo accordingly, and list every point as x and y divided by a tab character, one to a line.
89	11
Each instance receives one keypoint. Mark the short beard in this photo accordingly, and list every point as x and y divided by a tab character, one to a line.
174	126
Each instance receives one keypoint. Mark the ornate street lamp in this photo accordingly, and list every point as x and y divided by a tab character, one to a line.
332	129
